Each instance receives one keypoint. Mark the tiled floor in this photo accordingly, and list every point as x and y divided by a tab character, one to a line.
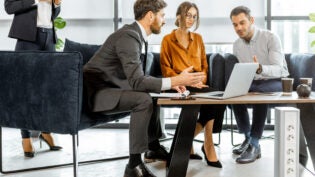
102	143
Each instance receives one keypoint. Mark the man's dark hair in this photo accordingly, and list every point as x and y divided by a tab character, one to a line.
240	9
142	7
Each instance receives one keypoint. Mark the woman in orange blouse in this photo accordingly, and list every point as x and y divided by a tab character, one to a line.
181	49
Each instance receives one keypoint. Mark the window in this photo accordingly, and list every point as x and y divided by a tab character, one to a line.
290	21
293	35
292	7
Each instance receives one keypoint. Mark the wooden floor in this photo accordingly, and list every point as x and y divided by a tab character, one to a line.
103	143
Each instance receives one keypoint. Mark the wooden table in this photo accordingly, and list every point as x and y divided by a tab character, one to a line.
182	142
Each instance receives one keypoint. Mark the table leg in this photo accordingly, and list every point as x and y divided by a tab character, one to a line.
182	141
307	112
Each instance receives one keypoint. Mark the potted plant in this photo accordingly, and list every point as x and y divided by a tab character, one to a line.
59	23
312	29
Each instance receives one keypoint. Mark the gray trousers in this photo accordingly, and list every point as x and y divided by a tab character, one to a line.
144	123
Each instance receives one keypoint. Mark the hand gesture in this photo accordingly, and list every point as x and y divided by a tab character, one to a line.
259	69
199	85
187	78
179	89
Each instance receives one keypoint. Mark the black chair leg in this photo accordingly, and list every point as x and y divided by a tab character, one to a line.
232	138
1	167
75	155
219	141
269	115
232	129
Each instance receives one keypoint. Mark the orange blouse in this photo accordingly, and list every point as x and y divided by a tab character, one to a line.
175	58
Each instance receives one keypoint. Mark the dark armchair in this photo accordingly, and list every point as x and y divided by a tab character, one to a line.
43	91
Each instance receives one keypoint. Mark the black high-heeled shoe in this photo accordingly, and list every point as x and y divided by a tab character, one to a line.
216	164
51	147
29	154
195	157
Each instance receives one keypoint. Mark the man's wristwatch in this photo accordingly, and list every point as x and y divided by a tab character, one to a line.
259	70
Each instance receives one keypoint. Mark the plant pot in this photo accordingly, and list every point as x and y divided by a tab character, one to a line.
303	90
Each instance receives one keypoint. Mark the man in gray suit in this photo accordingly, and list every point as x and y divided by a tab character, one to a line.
116	82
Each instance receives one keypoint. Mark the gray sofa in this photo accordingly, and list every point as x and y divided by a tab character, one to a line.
44	91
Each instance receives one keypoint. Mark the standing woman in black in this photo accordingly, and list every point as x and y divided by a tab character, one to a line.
33	28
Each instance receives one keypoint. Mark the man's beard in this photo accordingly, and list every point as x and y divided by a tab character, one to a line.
248	34
156	28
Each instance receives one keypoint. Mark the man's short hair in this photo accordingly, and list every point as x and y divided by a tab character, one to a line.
240	9
142	7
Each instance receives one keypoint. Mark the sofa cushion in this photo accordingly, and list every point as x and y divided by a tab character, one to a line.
216	72
153	67
230	61
301	65
86	50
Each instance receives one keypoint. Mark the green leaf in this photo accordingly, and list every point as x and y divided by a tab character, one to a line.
59	45
60	23
312	29
312	17
313	44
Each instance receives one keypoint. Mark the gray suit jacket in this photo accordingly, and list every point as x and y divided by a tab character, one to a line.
116	67
24	25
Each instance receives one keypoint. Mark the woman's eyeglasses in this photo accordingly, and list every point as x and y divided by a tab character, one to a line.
190	16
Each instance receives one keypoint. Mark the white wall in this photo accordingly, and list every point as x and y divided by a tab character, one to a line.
91	21
88	21
5	22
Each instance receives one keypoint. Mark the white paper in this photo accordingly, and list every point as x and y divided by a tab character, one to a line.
170	95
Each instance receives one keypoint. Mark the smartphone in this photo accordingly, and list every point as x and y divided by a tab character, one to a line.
183	98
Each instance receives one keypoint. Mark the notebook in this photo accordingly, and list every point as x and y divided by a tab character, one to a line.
171	95
239	83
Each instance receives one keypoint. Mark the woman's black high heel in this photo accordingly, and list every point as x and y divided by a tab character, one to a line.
51	147
195	156
29	154
216	164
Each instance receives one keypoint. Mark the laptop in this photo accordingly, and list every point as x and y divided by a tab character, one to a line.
239	83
